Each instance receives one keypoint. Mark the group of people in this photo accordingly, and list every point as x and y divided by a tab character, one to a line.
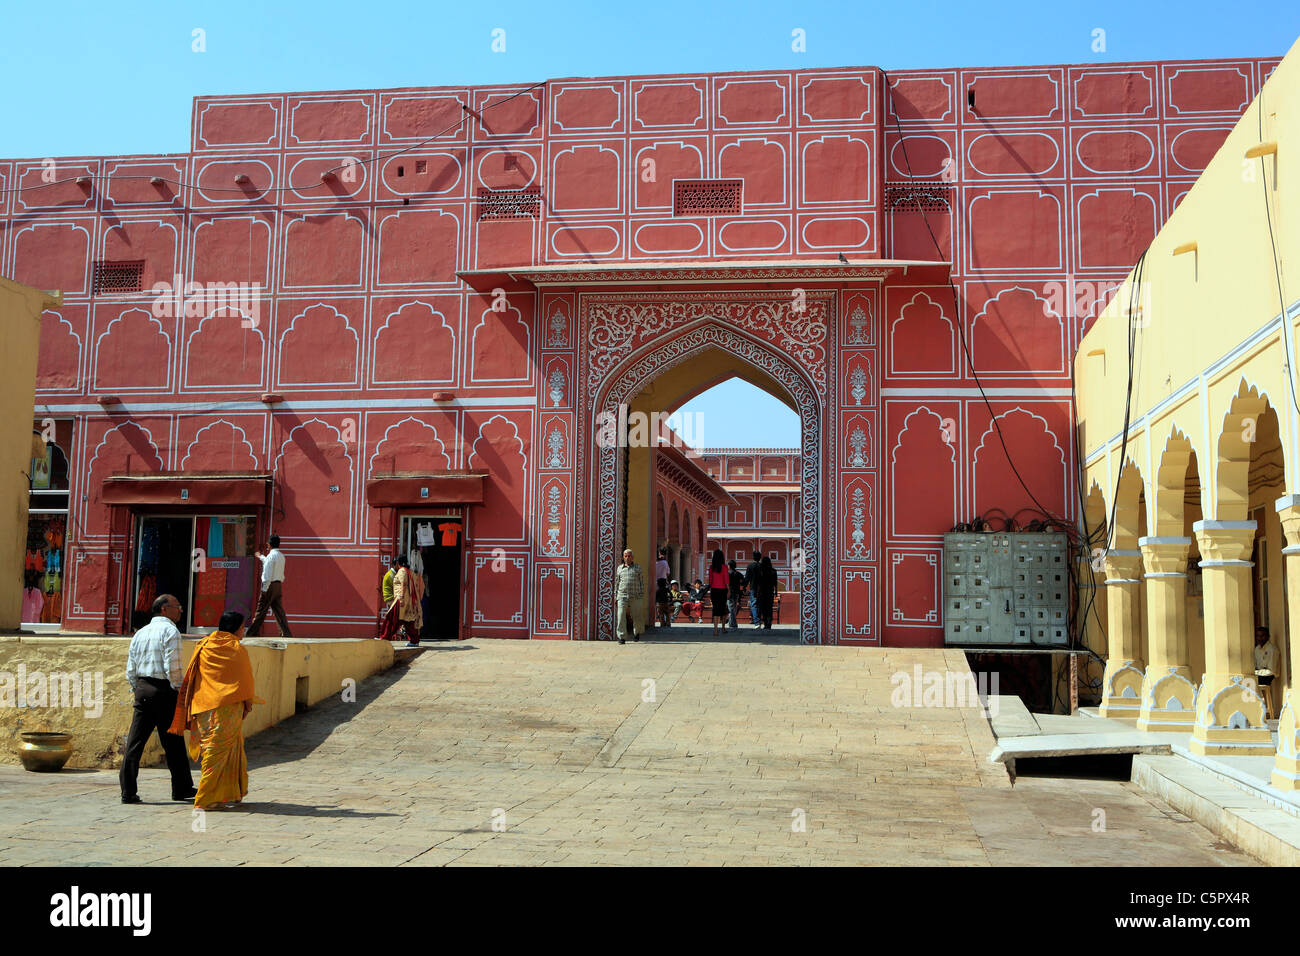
672	600
210	699
404	603
726	592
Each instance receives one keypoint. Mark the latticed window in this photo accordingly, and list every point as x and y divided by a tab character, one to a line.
509	203
932	197
707	197
116	277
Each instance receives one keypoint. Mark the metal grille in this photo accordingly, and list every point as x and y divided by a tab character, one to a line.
112	277
707	197
509	203
932	197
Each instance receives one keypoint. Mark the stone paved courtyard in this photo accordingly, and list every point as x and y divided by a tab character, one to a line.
682	752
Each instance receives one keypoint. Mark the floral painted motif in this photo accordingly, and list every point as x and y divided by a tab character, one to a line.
858	384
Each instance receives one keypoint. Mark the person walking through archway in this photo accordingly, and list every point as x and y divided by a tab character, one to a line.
662	602
629	591
737	585
719	586
765	588
751	579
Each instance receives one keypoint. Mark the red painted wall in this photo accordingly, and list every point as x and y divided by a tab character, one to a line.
1047	191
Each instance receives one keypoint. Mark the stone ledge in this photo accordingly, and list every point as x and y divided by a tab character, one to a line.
1266	832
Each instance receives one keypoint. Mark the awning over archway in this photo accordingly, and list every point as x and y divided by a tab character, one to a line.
719	271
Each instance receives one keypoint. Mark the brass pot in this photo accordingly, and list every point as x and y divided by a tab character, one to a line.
45	751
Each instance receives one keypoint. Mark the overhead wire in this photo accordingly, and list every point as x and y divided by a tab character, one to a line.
1286	330
465	111
1065	526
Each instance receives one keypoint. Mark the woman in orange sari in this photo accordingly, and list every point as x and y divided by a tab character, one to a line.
213	701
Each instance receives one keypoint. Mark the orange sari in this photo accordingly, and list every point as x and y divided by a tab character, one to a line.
210	705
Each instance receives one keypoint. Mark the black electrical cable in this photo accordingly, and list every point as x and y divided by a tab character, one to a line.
961	330
466	114
1134	292
958	314
1286	332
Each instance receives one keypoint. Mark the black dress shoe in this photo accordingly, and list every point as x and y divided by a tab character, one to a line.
186	796
621	641
134	798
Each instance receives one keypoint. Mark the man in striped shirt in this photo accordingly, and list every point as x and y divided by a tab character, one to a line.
629	590
153	669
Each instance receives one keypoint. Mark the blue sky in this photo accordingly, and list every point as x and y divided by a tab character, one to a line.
109	78
735	414
98	78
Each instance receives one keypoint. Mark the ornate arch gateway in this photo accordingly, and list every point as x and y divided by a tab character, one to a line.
626	340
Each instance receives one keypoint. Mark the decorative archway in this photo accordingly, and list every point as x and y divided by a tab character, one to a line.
601	468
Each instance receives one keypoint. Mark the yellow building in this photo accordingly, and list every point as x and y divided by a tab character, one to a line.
1190	430
20	333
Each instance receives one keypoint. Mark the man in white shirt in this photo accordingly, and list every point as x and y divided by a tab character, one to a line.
153	669
272	582
1265	656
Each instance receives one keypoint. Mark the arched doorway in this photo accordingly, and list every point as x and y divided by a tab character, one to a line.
659	378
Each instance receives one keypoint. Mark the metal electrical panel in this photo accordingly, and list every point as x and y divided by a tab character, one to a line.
1006	589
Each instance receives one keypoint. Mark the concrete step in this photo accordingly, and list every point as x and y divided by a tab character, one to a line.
404	655
1011	718
1255	826
1011	749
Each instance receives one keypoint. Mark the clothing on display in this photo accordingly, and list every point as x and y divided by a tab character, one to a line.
209	596
43	569
52	610
33	600
450	532
222	579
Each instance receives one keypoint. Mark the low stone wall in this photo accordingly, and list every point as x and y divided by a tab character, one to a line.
91	699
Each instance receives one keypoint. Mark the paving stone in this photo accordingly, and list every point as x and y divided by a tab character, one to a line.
554	742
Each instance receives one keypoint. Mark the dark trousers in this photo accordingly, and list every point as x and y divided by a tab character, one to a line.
269	600
155	705
765	609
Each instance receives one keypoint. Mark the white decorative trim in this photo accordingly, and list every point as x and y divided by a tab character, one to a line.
620	383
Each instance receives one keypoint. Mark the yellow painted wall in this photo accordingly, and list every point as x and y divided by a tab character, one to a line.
1203	339
20	333
1202	305
100	740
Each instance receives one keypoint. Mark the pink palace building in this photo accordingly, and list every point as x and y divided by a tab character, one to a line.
373	321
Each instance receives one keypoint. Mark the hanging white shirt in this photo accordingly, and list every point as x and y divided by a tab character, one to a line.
272	568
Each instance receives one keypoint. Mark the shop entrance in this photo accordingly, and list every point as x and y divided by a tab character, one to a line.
47	526
207	561
432	543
